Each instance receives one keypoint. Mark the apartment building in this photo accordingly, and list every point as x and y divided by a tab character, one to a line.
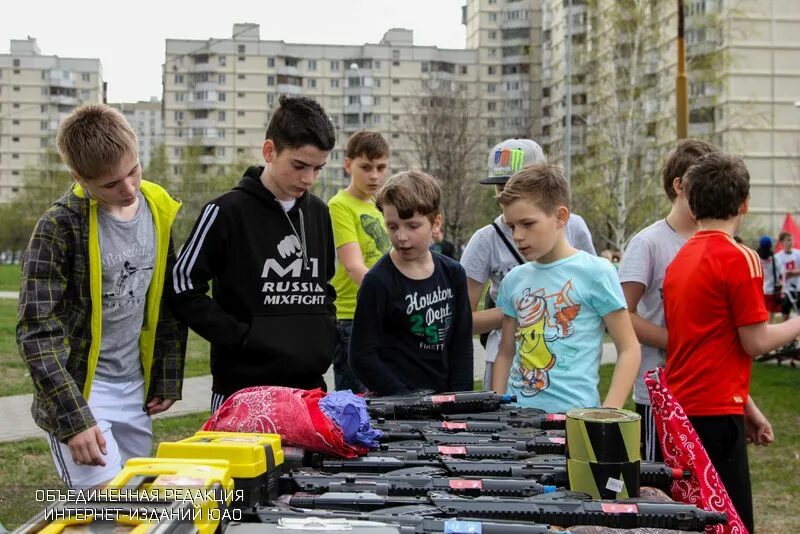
507	36
220	93
146	119
36	92
747	106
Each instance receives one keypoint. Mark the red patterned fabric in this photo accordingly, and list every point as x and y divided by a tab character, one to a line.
683	450
292	413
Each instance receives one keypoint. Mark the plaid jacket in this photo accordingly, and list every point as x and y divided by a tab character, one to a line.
59	319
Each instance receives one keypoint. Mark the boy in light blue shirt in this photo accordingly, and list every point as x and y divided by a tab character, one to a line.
557	307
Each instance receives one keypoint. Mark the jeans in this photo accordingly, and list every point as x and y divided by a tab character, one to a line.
342	374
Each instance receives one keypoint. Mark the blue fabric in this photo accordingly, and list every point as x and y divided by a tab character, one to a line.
349	411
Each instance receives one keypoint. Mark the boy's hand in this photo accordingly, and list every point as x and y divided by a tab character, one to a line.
88	447
158	405
757	428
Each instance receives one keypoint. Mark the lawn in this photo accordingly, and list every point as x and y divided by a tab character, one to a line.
775	470
15	375
9	277
28	466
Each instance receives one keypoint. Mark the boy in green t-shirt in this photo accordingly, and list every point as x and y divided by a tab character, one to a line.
359	236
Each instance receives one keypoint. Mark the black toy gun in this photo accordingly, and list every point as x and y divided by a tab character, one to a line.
512	416
416	405
559	512
407	519
412	481
521	441
545	469
420	450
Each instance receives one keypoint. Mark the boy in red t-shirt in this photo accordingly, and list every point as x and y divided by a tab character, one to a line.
717	323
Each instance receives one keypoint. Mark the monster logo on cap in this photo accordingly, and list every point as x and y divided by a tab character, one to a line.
510	156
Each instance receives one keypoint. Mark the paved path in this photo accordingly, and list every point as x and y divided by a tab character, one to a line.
16	422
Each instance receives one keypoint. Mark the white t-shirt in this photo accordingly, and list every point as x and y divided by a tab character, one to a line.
788	262
645	261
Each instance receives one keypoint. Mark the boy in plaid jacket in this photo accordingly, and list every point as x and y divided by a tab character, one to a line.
103	352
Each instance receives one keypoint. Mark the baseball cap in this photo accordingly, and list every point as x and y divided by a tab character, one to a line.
508	157
765	242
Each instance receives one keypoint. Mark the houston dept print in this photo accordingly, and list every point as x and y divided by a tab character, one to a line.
430	316
542	319
282	276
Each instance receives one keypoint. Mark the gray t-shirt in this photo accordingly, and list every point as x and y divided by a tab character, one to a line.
486	257
645	261
127	251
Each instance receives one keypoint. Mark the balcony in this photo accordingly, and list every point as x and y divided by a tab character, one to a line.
358	108
205	67
205	104
211	140
203	86
64	100
288	89
287	71
207	160
57	79
202	123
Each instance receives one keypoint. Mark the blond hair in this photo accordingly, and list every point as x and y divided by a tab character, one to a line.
541	183
411	192
94	139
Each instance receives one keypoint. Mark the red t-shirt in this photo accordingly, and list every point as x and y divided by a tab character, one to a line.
712	287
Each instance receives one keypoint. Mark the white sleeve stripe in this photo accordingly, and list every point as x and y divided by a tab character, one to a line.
181	273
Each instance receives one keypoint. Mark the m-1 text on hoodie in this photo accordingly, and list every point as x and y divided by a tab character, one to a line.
270	318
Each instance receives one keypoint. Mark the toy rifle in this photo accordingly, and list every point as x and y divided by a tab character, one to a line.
411	520
512	416
559	512
417	405
545	469
521	441
413	481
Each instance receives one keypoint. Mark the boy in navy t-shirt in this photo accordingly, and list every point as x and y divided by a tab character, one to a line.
412	327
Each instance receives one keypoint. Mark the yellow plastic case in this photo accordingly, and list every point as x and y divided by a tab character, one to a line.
255	460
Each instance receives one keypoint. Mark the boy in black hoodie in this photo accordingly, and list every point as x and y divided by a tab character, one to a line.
268	247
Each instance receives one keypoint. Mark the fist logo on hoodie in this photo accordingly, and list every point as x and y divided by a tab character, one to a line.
288	245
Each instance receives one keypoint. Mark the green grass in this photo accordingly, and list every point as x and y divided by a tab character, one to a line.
16	380
28	466
9	277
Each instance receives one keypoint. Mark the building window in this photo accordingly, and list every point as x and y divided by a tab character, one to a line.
222	61
492	35
376	119
15	139
179	97
14	156
334	83
241	49
491	106
179	78
221	97
377	82
240	132
270	80
43	142
15	105
395	117
312	64
334	65
221	116
179	115
493	17
177	152
240	113
377	101
86	77
395	136
312	83
270	62
240	95
491	70
376	64
270	99
396	81
15	88
491	87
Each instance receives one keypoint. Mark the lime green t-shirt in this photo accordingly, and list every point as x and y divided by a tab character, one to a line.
355	221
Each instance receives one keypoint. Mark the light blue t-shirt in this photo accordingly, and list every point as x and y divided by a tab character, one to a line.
559	308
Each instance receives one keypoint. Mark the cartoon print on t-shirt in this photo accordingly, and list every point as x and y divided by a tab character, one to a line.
538	326
373	227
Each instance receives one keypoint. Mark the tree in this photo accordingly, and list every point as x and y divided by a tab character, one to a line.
443	131
629	117
41	186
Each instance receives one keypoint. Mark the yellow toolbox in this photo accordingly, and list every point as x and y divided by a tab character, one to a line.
255	461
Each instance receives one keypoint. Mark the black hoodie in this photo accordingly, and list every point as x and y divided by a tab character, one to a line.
271	320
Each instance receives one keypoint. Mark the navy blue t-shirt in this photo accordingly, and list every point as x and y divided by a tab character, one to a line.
413	334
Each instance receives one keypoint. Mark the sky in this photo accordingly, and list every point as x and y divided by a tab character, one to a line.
130	40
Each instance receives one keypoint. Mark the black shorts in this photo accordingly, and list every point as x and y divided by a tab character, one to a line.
724	440
786	303
650	444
